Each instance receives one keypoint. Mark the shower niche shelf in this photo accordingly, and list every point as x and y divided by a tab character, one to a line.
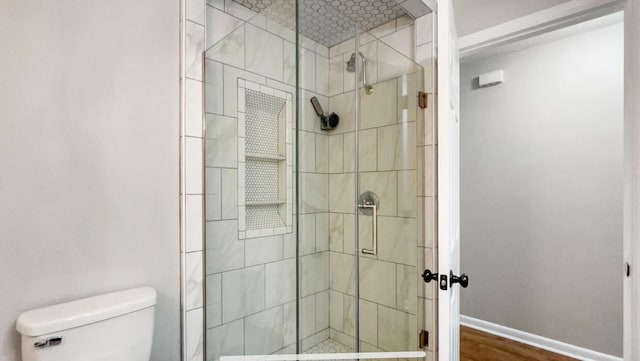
265	192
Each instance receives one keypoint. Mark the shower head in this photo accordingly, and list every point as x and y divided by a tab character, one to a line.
351	64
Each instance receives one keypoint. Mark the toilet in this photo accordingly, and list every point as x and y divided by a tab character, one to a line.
116	326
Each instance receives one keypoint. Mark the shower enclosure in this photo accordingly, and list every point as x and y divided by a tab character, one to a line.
316	235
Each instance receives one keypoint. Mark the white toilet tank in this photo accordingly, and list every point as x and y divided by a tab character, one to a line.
116	326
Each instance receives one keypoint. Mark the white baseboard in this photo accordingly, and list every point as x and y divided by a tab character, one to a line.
558	347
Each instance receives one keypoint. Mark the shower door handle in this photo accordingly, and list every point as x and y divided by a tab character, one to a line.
374	210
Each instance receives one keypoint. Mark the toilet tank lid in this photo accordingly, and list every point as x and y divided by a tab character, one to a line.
82	312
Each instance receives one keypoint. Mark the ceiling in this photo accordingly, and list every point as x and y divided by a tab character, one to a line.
329	22
475	15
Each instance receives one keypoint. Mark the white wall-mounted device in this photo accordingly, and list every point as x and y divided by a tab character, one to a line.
491	78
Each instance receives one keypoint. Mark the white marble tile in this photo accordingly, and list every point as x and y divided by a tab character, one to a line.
397	240
230	49
193	108
214	300
336	157
344	47
237	10
289	324
402	41
231	76
213	183
429	221
424	57
380	108
384	29
218	4
193	223
314	190
343	338
243	292
407	294
397	147
193	280
275	28
263	250
195	11
378	281
220	25
322	310
350	234
322	153
229	193
343	200
385	185
263	333
392	63
307	316
349	146
280	282
225	340
194	48
322	75
221	141
336	75
289	59
322	232
290	242
429	171
336	232
193	166
428	290
424	29
314	273
344	106
336	310
396	330
368	319
342	272
213	91
264	53
259	21
368	150
307	152
307	241
307	70
224	251
194	348
407	199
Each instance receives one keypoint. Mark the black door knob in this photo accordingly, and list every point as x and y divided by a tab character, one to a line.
463	279
427	276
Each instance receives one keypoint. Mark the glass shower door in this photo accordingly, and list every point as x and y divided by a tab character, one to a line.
388	177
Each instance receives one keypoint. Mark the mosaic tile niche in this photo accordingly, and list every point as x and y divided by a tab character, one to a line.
265	146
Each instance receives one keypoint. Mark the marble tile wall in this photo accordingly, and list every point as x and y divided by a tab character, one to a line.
251	283
396	162
191	179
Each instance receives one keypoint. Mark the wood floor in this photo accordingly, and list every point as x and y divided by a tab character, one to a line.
480	346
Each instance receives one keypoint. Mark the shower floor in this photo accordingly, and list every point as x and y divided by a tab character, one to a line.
329	346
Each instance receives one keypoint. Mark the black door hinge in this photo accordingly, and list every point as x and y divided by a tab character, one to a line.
628	270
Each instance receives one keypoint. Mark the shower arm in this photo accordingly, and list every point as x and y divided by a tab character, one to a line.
364	73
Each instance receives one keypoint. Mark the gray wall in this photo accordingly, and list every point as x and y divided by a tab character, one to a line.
88	157
541	190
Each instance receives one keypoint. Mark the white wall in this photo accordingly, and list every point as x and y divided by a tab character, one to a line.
541	190
89	157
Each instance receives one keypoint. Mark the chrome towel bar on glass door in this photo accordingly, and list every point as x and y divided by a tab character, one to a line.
369	201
